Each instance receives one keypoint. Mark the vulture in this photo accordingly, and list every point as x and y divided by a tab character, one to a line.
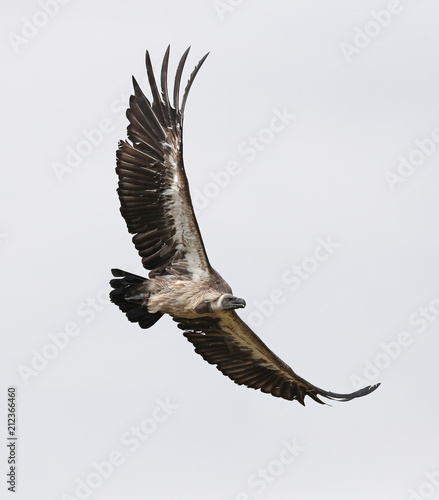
156	205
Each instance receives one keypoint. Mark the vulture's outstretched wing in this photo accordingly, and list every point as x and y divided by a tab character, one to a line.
153	188
227	342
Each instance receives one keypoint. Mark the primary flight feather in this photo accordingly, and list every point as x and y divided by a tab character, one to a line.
157	207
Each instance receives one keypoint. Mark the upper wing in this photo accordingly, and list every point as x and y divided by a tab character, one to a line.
153	188
227	342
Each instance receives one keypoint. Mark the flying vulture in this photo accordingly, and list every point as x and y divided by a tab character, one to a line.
157	208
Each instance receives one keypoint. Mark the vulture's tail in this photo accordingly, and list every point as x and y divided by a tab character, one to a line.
123	286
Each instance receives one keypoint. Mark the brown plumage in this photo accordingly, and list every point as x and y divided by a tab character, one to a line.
156	205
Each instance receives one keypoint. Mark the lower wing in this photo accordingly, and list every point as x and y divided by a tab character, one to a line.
227	342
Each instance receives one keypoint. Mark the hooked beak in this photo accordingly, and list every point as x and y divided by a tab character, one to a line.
239	303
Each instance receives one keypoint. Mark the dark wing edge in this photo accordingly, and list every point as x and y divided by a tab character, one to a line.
153	187
240	354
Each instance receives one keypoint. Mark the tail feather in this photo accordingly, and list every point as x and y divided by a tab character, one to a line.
123	286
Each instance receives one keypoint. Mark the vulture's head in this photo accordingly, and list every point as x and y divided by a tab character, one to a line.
228	301
224	302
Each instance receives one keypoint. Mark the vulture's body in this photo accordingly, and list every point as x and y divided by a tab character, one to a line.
156	205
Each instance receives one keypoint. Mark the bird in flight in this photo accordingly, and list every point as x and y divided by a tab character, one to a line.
156	205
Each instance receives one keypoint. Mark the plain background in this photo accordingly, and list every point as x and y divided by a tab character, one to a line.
361	103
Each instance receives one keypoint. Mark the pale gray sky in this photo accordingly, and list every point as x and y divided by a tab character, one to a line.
312	130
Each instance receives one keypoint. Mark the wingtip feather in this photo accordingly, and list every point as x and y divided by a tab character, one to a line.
178	75
348	397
